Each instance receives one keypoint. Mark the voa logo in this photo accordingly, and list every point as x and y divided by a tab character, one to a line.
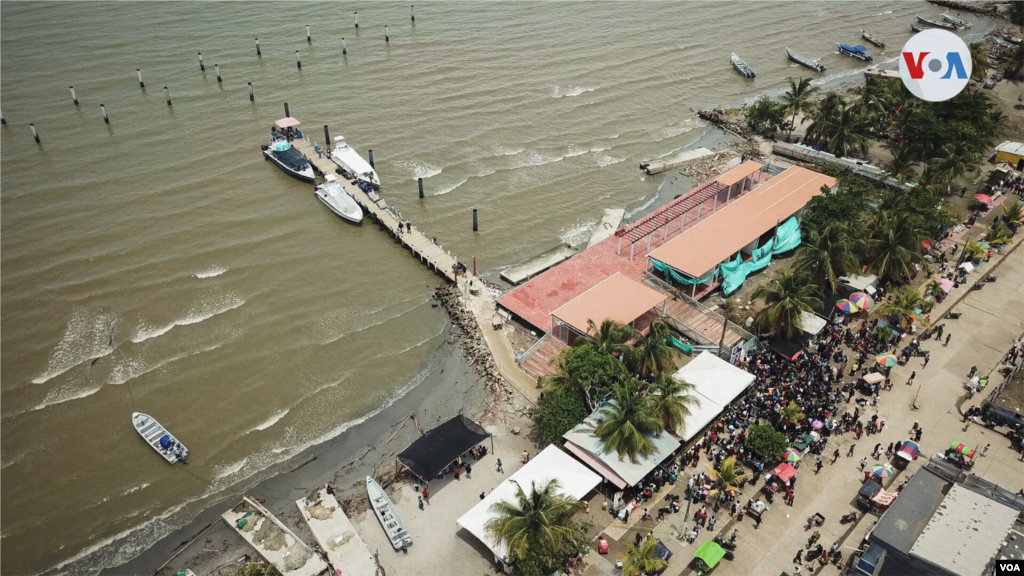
935	65
1009	567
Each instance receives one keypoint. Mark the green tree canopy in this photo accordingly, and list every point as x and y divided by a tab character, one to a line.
670	402
538	524
628	424
765	443
557	413
785	297
640	560
585	373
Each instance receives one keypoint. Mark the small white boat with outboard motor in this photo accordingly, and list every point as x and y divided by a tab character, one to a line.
159	438
352	163
337	200
388	515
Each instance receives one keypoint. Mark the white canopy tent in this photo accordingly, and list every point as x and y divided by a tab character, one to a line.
811	323
715	378
575	480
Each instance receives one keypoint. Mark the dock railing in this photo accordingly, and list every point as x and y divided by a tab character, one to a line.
659	283
522	358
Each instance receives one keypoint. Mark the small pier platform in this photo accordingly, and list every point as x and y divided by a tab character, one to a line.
273	540
346	551
422	247
682	159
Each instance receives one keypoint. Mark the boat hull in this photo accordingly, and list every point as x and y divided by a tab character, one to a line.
856	55
945	25
741	67
806	63
152	431
306	175
352	216
388	515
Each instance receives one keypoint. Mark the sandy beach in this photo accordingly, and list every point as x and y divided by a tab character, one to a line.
452	387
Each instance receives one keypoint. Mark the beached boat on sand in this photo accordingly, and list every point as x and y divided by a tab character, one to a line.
741	67
956	21
859	52
873	39
159	438
936	23
803	61
388	515
916	28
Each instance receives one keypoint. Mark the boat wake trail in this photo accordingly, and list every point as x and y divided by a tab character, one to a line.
87	337
204	310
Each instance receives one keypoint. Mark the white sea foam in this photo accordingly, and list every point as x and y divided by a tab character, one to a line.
418	168
89	335
65	394
212	272
451	187
134	367
642	207
134	489
229	469
559	92
530	158
501	150
204	310
270	421
607	160
577	233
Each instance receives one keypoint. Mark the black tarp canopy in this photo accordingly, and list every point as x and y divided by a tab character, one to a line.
789	349
439	447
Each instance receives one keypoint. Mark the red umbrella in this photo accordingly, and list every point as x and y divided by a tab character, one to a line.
927	245
983	198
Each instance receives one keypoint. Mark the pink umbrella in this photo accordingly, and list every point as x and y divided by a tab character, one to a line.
817	424
983	198
946	284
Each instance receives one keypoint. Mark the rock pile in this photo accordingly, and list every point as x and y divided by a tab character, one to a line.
465	335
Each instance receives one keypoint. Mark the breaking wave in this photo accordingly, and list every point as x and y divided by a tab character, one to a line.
559	92
87	337
202	311
270	421
212	272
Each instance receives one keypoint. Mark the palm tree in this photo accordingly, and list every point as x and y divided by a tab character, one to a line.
628	424
792	413
728	477
798	100
610	338
786	297
826	255
979	59
651	354
900	166
884	334
895	245
566	378
973	251
846	132
998	235
542	518
1014	64
934	288
826	110
639	560
956	162
1013	211
670	402
902	304
873	102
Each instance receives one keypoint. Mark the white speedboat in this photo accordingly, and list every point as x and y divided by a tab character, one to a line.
345	156
388	515
159	438
281	152
338	200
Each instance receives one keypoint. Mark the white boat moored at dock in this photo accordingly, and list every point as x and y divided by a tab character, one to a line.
349	160
332	195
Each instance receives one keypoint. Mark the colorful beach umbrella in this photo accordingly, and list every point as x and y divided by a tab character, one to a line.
963	449
983	198
882	471
886	360
862	300
847	306
791	455
928	298
817	424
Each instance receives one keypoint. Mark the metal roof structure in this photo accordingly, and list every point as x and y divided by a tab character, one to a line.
617	298
904	521
965	533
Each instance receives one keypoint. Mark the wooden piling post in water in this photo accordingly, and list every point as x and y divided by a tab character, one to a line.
139	72
387	39
35	134
412	11
74	98
357	18
217	68
259	53
371	160
344	50
298	60
475	227
420	182
3	119
309	38
167	95
202	66
106	119
327	135
286	113
252	97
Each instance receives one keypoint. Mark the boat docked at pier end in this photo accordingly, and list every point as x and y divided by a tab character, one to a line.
859	52
281	152
388	515
741	66
803	61
159	438
352	163
337	200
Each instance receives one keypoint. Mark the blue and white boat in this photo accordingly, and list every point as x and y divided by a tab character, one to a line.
159	438
281	152
741	67
859	52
